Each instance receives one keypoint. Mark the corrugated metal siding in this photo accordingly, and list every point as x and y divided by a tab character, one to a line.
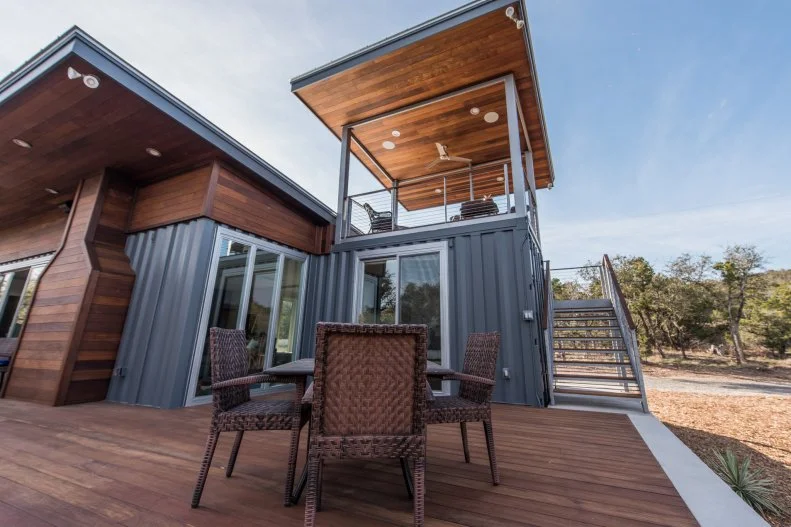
172	265
491	280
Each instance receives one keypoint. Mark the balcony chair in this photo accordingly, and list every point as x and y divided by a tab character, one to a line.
478	208
234	411
369	401
380	221
474	401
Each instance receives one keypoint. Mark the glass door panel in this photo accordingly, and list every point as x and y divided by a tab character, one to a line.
288	312
259	311
420	300
378	304
13	296
226	302
24	303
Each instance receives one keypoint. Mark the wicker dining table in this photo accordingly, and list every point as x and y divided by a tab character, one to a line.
304	368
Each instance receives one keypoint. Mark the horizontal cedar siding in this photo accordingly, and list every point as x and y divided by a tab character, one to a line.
173	200
247	207
37	235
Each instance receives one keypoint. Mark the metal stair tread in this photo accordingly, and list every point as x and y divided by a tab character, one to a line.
622	351
575	391
587	328
593	363
589	339
583	319
594	377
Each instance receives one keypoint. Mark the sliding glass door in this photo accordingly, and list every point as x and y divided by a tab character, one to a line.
256	286
406	285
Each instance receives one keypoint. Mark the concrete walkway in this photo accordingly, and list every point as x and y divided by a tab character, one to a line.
712	384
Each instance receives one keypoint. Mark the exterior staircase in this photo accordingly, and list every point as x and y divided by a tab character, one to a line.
592	353
589	351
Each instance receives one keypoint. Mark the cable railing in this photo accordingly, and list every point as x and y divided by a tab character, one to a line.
480	192
577	283
612	290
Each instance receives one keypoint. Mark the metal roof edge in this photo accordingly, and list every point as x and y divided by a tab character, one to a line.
78	42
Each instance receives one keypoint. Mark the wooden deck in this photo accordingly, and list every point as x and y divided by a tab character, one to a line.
105	464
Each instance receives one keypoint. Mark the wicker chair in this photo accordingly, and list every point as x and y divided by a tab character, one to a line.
473	403
234	411
369	401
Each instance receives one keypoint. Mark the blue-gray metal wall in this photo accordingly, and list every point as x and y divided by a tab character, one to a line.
492	280
155	354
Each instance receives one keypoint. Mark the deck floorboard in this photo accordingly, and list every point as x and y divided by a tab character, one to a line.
107	464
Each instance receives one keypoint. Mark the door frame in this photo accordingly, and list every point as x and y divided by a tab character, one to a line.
255	243
361	256
20	265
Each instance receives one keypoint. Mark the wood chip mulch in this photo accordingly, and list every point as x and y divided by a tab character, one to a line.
756	426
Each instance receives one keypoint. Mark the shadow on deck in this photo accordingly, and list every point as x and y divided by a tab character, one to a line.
108	464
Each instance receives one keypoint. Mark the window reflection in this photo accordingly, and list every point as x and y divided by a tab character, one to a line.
288	318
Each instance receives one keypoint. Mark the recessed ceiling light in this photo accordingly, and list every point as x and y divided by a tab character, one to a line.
437	191
52	191
388	145
475	110
491	117
153	152
21	142
500	179
396	133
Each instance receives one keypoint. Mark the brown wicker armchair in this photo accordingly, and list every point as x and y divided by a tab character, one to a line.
234	411
473	403
369	401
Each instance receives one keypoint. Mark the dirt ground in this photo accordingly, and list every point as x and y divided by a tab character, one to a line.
756	426
759	366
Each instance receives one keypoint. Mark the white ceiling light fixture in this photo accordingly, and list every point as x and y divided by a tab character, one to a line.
388	145
91	81
437	191
475	110
500	179
396	133
21	143
491	117
510	13
52	191
153	152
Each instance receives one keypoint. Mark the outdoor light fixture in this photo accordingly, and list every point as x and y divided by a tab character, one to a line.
475	110
396	133
509	12
91	81
21	142
491	117
437	191
550	186
153	152
52	191
500	178
388	145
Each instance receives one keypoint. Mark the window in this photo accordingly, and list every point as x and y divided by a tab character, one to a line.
406	285
256	286
18	283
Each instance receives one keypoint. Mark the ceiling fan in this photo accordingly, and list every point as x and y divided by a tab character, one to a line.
444	156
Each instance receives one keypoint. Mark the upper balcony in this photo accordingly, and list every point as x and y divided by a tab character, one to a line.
440	125
444	161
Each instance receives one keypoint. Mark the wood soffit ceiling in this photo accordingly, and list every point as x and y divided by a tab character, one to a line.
481	49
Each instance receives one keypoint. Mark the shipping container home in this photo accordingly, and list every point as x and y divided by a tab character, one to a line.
131	225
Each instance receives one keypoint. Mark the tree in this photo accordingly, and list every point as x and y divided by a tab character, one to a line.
639	281
738	271
770	320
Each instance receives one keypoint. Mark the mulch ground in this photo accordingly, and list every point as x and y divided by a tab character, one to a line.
756	426
759	366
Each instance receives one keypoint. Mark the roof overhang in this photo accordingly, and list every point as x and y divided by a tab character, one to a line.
470	45
76	45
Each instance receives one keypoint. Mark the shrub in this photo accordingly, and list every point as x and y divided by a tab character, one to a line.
749	483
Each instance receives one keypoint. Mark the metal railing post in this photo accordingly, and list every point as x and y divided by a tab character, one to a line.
445	196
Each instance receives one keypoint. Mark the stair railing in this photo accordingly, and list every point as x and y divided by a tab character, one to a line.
612	290
548	325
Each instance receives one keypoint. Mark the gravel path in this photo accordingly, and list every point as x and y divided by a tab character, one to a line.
691	383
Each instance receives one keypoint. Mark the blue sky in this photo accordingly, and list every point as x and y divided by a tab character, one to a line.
669	121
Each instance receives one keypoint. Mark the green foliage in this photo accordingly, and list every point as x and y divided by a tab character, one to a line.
770	319
749	483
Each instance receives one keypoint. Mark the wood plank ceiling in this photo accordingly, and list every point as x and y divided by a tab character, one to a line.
473	52
75	132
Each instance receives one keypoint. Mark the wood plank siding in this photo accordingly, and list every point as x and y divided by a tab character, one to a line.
218	192
36	235
67	349
107	464
180	198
